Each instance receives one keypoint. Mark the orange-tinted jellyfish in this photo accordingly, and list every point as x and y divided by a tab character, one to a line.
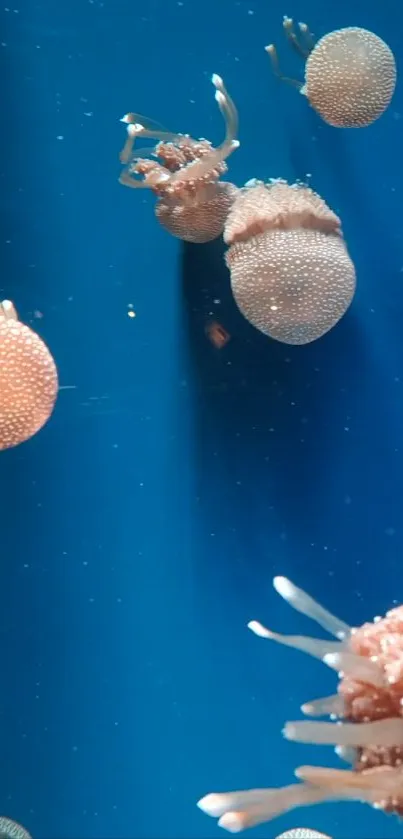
350	74
184	173
12	830
291	274
28	380
366	719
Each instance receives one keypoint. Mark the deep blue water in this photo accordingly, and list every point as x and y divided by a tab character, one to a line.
142	527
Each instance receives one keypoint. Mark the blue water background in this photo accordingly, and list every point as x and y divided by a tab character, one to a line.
142	527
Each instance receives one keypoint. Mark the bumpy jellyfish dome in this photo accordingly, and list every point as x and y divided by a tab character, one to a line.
291	274
350	77
28	380
197	221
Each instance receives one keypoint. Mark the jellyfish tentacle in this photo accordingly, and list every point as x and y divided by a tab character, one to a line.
126	179
201	167
386	780
246	808
8	310
230	109
155	174
272	53
309	38
197	168
292	37
385	732
150	125
138	129
133	130
306	605
332	705
315	647
333	653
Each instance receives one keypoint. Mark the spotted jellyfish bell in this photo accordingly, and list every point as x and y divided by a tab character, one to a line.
350	74
291	274
28	380
302	833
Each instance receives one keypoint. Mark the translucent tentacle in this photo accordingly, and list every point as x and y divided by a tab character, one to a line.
202	166
8	310
305	604
321	707
240	810
272	52
313	646
358	667
386	733
372	784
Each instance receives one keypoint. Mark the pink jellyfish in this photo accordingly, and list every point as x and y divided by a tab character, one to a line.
192	203
350	74
369	700
291	274
28	380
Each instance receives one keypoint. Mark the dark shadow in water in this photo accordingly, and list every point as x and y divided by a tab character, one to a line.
262	405
360	198
275	417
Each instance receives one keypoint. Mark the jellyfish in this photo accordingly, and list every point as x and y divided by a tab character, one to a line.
291	274
184	173
369	700
350	74
12	830
28	380
302	833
